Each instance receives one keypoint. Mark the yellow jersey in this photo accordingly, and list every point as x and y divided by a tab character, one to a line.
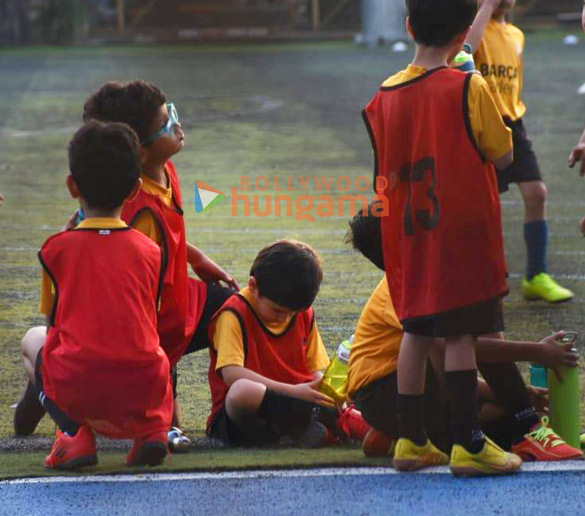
499	58
378	335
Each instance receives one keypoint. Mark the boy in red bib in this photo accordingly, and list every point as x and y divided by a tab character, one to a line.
267	356
187	303
437	134
98	365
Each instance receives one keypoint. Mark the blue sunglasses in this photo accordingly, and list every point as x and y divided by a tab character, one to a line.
168	129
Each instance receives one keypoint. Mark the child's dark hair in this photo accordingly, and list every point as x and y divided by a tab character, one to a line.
365	235
437	22
135	103
288	273
104	159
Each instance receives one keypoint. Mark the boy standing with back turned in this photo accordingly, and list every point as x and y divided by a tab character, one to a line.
437	135
498	48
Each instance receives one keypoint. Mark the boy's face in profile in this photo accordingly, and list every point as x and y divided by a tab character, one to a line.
165	145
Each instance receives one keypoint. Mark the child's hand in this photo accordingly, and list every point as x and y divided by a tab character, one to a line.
210	272
577	155
71	222
555	355
308	392
538	398
582	226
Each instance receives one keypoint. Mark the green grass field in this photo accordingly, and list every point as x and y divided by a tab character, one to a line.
275	110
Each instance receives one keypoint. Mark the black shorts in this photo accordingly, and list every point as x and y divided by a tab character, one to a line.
378	403
233	434
477	319
216	297
525	166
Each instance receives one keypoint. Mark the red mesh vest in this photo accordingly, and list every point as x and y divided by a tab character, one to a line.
282	358
102	361
443	246
183	298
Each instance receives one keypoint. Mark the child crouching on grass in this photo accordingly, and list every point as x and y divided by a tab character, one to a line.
267	358
98	365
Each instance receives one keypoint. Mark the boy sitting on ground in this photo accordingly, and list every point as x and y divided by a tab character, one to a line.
98	364
267	357
373	382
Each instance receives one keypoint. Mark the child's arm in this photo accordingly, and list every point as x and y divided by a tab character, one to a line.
303	391
578	155
480	23
1	199
547	352
207	269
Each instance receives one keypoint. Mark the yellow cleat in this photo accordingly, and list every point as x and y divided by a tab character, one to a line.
542	286
411	457
492	460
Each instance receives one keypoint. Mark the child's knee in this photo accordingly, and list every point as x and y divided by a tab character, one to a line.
537	194
33	341
245	395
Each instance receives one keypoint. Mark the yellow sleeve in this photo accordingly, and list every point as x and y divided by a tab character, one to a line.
492	136
317	359
228	341
47	294
148	226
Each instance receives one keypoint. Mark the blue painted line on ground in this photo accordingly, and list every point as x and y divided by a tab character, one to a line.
349	492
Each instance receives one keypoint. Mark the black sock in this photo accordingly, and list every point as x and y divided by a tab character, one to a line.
509	388
411	418
283	413
462	388
62	420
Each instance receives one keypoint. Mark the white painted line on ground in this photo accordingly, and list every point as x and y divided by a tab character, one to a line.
535	467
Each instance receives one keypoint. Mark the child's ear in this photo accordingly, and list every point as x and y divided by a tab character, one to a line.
252	285
144	153
132	195
409	27
72	187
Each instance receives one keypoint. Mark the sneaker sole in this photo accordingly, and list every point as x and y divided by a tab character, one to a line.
151	454
80	462
474	471
413	464
527	457
557	302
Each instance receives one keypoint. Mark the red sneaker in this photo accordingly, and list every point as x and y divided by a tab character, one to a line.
378	444
148	451
543	444
353	424
73	452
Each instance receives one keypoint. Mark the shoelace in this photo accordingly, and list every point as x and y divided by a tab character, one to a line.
545	434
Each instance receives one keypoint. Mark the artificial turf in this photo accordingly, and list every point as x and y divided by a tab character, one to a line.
258	110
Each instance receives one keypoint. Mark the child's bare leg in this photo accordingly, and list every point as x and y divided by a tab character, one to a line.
32	343
412	361
29	410
244	399
177	420
461	379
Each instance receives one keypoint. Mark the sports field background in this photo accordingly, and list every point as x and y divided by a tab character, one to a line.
274	110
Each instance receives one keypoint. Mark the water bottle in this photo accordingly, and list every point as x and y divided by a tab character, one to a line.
564	400
464	60
334	381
